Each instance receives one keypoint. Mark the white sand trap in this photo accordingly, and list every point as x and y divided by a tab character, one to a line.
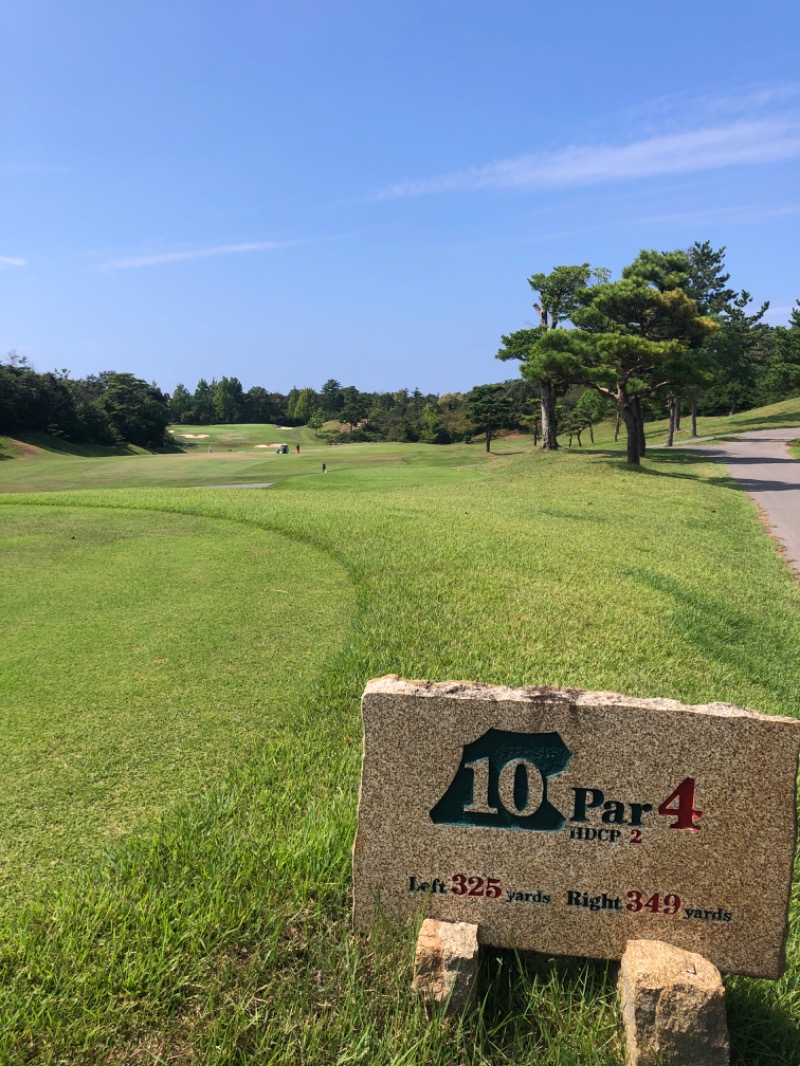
264	445
286	427
195	436
241	485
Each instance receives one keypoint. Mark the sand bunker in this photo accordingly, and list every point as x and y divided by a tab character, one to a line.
241	485
194	436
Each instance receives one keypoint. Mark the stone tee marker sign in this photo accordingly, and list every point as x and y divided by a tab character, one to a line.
571	822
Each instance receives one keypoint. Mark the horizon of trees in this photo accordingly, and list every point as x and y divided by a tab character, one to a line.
669	338
110	408
668	333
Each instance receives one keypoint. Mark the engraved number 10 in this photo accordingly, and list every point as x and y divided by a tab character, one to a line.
519	780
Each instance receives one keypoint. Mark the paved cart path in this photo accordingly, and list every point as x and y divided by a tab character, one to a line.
761	463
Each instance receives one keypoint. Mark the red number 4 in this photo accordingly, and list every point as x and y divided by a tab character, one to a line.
682	800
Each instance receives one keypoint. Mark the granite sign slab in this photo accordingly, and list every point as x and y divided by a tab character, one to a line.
571	822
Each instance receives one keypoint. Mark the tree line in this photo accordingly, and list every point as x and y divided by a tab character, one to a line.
669	333
115	409
110	408
344	413
669	337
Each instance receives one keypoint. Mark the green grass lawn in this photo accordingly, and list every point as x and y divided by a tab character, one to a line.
218	931
55	471
785	414
244	436
243	454
142	654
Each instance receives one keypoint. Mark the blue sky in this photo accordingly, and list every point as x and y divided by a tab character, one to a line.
292	192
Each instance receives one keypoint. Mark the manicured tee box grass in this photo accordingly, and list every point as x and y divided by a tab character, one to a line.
221	934
143	654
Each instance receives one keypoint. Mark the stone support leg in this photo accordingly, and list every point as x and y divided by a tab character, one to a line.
446	963
673	1007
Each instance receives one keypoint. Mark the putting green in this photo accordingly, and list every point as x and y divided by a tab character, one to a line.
142	654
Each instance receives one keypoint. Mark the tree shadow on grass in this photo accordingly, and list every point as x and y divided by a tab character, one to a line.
529	1001
682	460
654	453
729	635
760	1031
777	421
534	1007
679	465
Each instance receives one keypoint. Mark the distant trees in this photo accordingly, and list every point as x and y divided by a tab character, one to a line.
734	355
354	406
331	400
724	356
631	338
108	408
744	362
559	294
453	418
136	413
41	403
180	405
490	409
228	400
590	408
778	354
258	405
402	415
203	403
670	333
670	326
301	405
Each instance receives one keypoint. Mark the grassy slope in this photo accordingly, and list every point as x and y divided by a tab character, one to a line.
43	446
224	935
776	416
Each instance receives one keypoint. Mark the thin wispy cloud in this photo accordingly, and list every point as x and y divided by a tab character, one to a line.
679	111
669	135
6	262
733	213
197	253
735	144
